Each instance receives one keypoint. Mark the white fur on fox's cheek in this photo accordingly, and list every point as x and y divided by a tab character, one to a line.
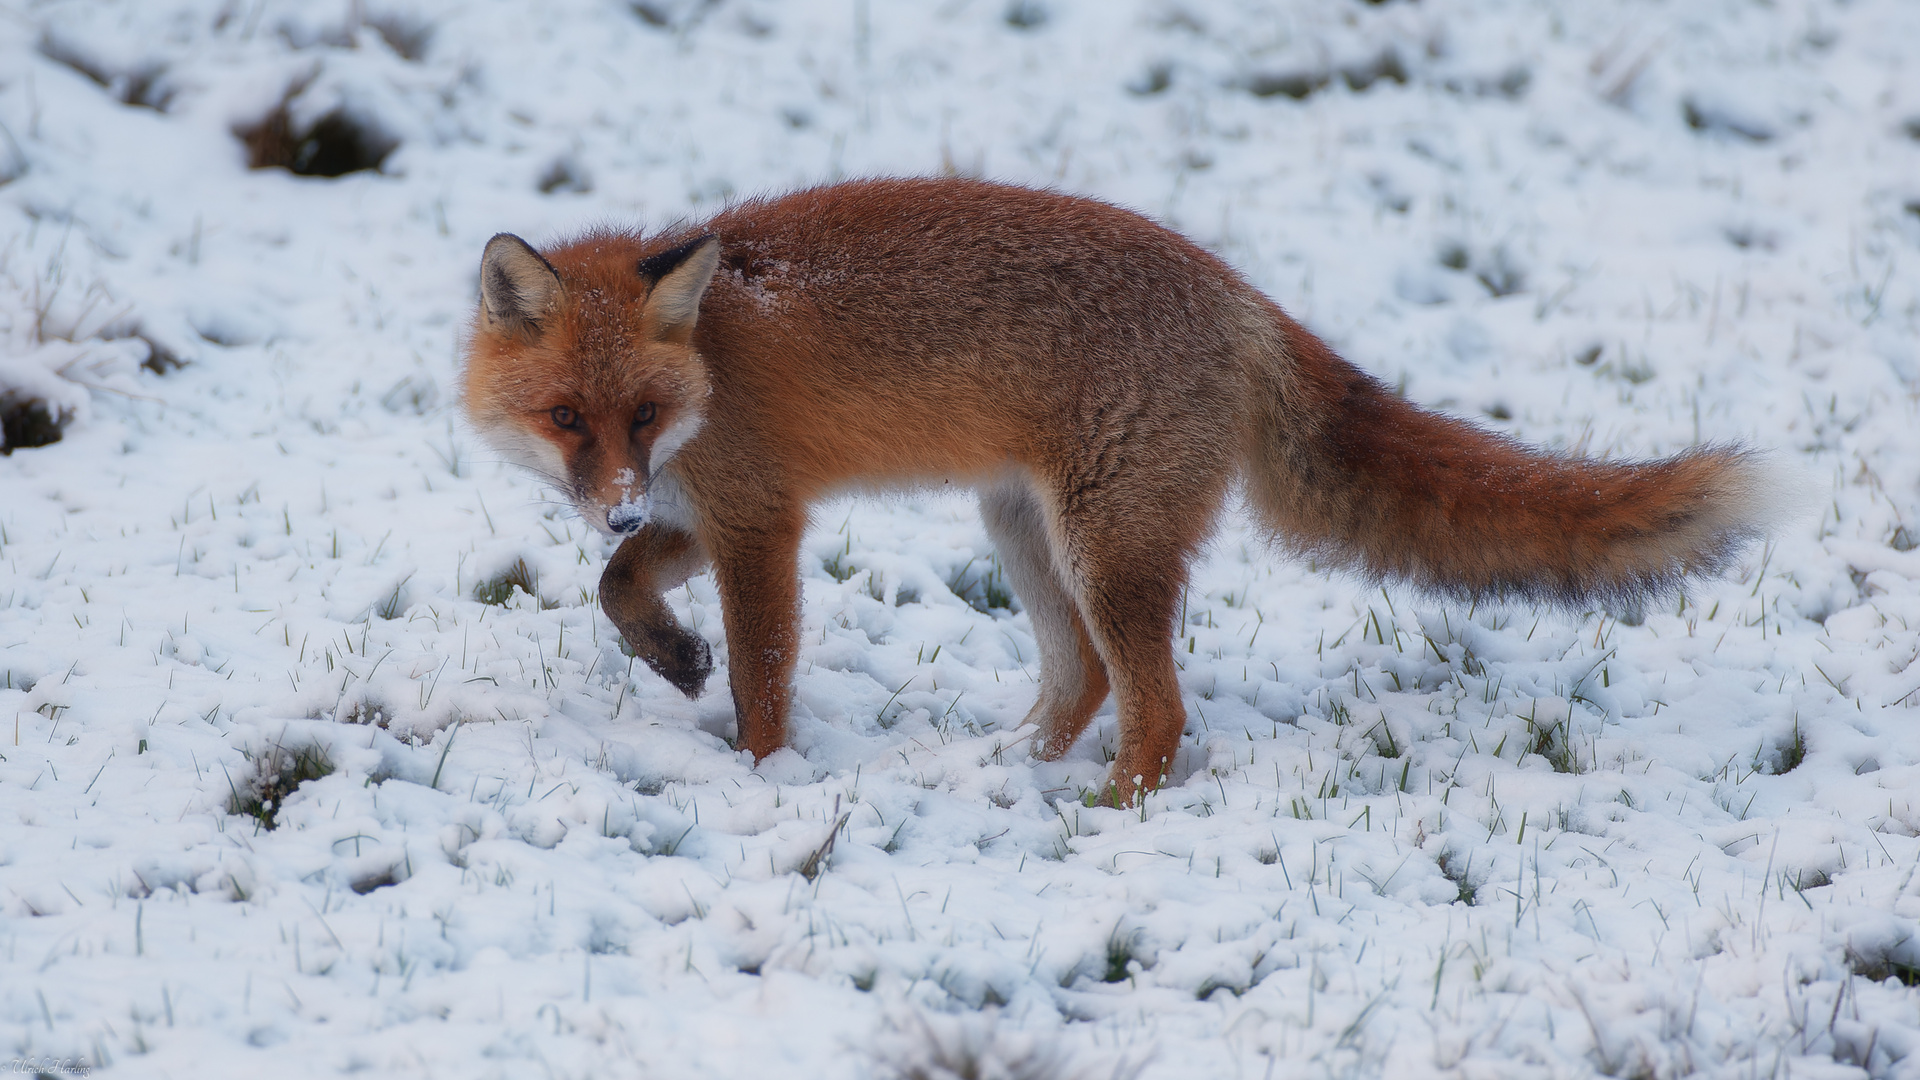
672	439
667	503
526	450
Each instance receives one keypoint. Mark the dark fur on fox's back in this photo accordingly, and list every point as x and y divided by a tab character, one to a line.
1346	470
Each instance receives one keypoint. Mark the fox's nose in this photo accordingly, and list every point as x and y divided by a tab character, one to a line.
626	518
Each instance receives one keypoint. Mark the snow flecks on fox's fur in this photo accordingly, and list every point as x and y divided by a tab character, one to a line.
581	330
933	329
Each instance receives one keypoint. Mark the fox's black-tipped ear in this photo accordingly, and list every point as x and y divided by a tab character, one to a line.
517	286
680	276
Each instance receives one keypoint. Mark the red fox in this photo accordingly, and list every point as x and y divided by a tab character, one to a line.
1101	381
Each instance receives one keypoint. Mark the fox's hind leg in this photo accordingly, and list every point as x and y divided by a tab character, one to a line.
1129	593
1125	548
647	564
1073	681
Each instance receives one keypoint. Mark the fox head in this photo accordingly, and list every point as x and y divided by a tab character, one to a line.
581	367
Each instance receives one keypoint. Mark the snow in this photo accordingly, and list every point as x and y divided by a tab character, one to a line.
1403	837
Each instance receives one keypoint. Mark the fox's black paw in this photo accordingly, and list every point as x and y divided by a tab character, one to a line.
682	658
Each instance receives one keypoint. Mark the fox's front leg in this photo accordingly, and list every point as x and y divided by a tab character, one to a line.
647	564
757	569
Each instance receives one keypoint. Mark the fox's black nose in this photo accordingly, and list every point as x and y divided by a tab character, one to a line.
626	518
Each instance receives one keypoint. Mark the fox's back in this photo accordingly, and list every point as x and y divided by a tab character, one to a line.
958	322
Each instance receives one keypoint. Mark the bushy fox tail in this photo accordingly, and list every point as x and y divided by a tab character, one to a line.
1344	470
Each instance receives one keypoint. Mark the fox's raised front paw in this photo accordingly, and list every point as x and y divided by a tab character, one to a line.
680	657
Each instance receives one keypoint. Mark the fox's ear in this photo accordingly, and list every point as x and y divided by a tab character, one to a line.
680	276
517	286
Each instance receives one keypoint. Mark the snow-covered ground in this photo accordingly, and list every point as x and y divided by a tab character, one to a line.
1404	838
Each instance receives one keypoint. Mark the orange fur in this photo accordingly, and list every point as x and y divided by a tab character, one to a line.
1100	379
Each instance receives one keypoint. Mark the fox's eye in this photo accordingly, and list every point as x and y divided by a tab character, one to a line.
565	417
644	414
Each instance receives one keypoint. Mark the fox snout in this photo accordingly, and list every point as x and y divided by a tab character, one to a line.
623	506
626	518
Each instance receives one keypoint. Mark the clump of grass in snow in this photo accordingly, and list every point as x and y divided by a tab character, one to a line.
978	1048
26	422
277	773
1458	871
498	589
366	711
838	568
1550	741
1881	963
985	589
335	144
1787	756
1120	956
1026	15
57	344
142	84
395	603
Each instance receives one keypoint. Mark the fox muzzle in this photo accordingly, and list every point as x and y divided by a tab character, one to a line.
626	518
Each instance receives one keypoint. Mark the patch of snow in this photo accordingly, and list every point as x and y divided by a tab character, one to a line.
1402	837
